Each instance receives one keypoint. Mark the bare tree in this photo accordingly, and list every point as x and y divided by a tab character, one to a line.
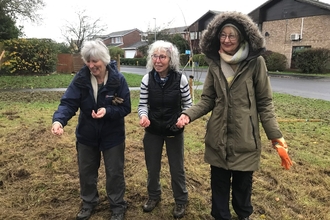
86	29
22	8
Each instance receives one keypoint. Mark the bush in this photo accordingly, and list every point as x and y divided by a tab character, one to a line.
115	51
133	61
29	56
63	48
275	61
184	58
200	59
312	60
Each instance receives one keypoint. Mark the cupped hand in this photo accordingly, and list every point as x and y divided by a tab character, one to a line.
99	114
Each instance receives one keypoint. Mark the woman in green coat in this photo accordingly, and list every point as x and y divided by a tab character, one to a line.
237	91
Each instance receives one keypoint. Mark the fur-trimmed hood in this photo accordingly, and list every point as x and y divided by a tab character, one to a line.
210	43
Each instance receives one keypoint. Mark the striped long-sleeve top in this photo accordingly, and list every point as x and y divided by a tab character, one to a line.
186	100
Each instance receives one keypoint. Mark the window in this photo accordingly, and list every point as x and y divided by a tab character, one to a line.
116	40
144	36
193	35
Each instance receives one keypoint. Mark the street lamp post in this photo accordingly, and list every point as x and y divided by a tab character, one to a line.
155	29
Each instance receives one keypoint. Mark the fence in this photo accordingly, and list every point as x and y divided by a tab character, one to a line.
1	55
69	63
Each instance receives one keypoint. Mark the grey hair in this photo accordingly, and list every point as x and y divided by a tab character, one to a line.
95	49
171	51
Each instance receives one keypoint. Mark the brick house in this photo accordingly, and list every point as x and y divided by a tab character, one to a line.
196	28
177	30
290	25
124	39
132	51
128	40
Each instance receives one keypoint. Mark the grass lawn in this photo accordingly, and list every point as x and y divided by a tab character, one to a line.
39	176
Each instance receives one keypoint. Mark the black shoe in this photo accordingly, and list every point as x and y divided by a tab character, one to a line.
117	216
150	205
84	213
241	218
179	210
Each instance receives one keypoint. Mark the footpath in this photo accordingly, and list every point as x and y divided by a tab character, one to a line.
186	70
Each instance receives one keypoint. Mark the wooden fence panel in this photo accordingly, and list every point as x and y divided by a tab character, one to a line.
64	63
78	63
69	63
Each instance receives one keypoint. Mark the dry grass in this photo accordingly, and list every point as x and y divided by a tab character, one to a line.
39	177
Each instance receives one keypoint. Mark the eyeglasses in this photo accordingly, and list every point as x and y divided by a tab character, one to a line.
161	57
231	37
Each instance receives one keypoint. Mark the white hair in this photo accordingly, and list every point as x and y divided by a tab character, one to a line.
95	49
171	51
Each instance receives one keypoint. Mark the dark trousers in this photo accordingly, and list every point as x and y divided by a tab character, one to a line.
89	162
241	183
153	147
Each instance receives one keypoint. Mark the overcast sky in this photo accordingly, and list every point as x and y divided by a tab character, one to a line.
129	14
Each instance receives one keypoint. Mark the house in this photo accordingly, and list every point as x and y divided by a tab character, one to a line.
132	51
178	30
291	25
288	25
196	28
125	40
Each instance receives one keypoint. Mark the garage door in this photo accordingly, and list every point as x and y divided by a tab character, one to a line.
129	53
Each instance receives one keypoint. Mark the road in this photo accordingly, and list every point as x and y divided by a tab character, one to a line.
318	88
307	87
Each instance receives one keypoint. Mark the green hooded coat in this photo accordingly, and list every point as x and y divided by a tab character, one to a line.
232	139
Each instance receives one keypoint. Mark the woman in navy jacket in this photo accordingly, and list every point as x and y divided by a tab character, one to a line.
102	95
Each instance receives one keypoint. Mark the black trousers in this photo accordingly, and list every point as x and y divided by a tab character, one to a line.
241	183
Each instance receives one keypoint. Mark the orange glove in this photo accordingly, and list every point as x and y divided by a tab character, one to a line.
282	150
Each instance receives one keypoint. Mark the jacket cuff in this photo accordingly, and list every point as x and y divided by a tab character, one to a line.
57	122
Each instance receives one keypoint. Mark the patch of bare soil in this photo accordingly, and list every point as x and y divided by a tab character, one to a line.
39	176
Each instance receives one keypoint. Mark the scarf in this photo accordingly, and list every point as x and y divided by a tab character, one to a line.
95	85
161	81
